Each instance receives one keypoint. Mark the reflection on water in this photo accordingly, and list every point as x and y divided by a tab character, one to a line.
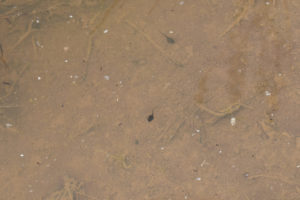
104	99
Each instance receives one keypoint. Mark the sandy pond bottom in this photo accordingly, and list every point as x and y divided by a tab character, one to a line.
149	99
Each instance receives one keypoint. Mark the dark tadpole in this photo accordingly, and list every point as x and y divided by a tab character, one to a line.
150	117
169	39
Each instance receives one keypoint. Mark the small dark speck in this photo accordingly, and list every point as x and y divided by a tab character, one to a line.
169	39
6	83
150	117
137	142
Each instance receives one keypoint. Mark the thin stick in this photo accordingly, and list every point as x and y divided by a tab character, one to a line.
106	14
239	18
2	57
24	36
9	106
34	47
153	6
154	44
279	178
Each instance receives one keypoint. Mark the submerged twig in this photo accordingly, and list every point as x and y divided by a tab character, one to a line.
154	44
2	59
239	18
24	36
222	113
153	6
106	14
278	178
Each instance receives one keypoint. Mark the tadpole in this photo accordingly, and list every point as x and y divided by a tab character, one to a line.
169	39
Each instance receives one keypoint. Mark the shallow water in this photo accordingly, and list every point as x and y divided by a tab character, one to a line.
150	99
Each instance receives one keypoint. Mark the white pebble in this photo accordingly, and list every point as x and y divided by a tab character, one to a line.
233	121
267	3
70	16
198	179
37	21
220	151
198	131
21	155
39	78
181	3
106	77
8	125
66	48
171	31
66	60
162	148
267	93
39	44
298	166
105	31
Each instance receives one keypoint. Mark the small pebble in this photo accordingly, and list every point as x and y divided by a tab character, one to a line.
70	16
8	125
39	44
106	77
66	61
21	155
105	31
267	3
171	31
181	3
267	93
198	179
298	166
66	48
39	78
233	121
